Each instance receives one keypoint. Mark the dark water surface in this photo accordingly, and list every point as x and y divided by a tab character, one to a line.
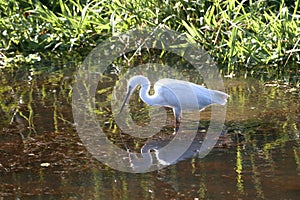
42	156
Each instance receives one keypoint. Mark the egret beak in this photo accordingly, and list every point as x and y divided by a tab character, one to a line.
125	99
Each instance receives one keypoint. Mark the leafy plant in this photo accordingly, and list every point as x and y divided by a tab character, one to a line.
240	35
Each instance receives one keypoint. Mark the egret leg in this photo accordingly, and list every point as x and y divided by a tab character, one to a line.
177	115
177	125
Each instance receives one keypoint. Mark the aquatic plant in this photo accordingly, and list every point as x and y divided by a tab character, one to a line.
240	35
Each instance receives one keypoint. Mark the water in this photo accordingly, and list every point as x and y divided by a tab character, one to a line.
42	156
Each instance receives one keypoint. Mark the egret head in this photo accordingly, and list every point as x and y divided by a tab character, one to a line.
131	86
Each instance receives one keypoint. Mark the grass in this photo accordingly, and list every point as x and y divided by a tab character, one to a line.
242	36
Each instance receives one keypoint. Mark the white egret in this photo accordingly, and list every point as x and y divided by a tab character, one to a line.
175	94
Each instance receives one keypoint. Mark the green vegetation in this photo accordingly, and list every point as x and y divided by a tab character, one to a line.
242	36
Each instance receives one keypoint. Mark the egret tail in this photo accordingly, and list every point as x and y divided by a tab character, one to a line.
218	97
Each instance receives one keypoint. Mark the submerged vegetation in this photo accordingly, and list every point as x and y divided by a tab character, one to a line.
242	36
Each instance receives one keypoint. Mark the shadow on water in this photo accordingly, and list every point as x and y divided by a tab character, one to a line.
42	156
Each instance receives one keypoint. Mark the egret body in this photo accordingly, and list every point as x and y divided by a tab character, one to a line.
175	94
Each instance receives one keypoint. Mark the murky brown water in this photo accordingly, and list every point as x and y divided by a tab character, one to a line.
42	156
